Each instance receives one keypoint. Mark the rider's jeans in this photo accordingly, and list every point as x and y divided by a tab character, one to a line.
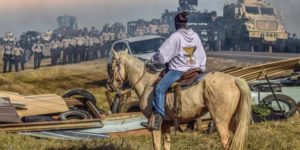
161	89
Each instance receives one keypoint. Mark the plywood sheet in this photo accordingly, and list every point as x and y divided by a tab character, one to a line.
37	104
8	113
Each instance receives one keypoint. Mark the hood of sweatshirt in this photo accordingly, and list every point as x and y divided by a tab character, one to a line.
187	34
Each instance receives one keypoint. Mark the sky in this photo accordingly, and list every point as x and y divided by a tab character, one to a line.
18	16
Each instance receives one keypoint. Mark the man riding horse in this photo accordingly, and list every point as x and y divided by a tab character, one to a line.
182	51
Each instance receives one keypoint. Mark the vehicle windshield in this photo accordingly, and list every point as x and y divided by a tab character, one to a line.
267	11
146	46
252	10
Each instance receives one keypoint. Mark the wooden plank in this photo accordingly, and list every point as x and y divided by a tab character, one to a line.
93	110
273	68
50	126
138	132
73	102
8	113
37	104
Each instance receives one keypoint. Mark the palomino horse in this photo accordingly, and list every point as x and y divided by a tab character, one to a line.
227	98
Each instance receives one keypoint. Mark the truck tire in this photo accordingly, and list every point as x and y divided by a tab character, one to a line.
283	99
74	114
133	106
80	92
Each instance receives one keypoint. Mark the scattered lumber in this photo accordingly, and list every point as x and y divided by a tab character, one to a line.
37	104
52	126
8	113
257	71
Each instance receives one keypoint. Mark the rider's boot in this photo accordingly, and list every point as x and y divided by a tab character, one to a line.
154	122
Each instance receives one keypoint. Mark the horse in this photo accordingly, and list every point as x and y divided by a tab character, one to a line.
225	97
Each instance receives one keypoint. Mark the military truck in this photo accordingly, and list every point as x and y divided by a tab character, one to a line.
133	25
205	23
252	25
67	26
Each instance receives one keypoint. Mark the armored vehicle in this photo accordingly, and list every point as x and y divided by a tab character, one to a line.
133	25
204	23
253	25
67	26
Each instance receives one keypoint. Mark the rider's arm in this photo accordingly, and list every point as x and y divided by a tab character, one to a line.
201	56
167	51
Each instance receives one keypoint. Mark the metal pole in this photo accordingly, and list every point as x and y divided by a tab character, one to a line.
274	95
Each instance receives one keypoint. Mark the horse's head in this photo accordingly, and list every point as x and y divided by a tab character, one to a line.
118	74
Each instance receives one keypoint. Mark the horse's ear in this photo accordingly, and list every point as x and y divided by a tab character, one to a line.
115	54
126	51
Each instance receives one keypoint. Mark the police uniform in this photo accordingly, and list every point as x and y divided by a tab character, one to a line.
54	50
71	51
105	38
7	58
101	47
37	50
79	49
164	29
153	29
90	44
139	32
122	35
65	47
96	47
18	54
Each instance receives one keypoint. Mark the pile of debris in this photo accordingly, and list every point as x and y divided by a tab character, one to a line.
42	112
73	116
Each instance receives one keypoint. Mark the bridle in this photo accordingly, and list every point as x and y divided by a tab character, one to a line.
118	66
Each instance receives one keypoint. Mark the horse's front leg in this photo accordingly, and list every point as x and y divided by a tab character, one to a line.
156	135
166	130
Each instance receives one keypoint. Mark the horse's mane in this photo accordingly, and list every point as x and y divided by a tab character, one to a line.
133	65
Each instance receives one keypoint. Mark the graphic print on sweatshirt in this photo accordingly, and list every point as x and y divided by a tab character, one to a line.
189	52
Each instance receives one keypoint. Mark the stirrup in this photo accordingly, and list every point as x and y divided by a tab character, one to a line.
154	123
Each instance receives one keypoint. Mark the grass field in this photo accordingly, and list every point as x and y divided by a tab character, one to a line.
92	76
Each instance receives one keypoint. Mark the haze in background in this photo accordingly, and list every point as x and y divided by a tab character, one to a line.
19	16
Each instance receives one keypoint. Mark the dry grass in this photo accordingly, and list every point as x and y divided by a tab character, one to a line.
92	75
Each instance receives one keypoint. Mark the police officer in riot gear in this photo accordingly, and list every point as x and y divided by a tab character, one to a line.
54	50
72	44
18	54
7	58
37	50
79	46
65	48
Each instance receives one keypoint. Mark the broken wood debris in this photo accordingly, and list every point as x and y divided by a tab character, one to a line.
51	126
255	72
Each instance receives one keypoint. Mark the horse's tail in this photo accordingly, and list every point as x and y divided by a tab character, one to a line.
241	116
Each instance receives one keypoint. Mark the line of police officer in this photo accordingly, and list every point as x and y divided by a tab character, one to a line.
82	48
74	49
13	55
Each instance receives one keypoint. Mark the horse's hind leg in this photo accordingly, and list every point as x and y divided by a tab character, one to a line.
222	128
221	118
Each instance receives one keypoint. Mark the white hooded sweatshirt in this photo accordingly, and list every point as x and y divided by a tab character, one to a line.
183	50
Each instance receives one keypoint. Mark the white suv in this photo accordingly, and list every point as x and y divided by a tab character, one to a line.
143	47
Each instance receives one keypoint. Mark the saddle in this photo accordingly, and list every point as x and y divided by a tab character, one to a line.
187	80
